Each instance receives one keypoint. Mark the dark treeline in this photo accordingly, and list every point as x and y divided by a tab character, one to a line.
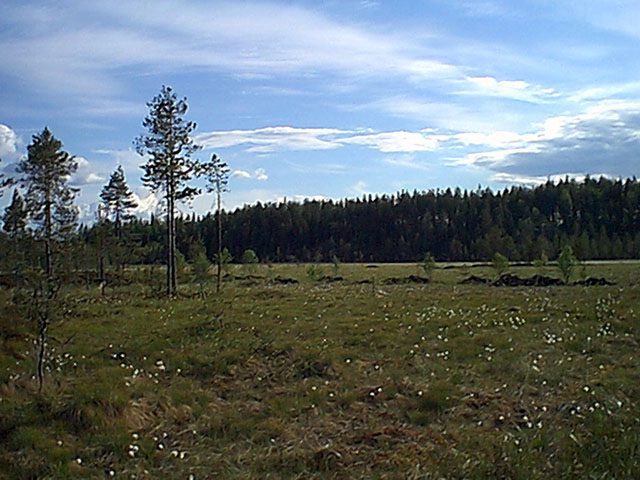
599	218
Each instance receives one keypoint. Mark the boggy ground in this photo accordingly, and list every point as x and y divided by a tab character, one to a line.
357	378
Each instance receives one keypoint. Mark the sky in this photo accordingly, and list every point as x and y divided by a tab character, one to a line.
329	99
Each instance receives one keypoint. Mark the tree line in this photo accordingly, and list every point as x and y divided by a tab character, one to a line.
599	218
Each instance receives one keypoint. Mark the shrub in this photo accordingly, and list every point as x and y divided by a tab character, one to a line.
250	260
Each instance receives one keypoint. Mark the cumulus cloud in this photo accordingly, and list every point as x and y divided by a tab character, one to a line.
86	174
241	174
148	203
603	140
258	174
8	142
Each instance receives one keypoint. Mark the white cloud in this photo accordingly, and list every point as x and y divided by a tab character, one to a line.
75	48
270	139
240	174
8	142
389	142
148	204
514	89
303	198
86	174
511	179
259	174
496	139
604	139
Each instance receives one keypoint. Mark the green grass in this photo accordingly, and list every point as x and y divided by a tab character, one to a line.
329	379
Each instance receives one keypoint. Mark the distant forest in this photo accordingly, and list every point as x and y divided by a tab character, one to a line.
598	218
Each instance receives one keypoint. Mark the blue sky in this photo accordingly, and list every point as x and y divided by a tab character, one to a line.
331	99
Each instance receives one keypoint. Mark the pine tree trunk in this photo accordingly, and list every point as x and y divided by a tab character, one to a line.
174	270
43	322
47	237
219	278
169	243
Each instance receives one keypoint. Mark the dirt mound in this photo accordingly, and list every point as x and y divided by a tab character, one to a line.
594	281
473	280
405	280
248	277
509	280
329	279
283	281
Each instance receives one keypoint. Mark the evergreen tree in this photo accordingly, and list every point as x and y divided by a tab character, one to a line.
217	174
169	168
49	200
118	200
15	224
15	217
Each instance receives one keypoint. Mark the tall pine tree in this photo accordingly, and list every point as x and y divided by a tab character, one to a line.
217	173
49	200
169	146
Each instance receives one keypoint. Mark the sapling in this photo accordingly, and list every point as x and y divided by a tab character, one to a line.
43	306
500	264
428	264
336	265
567	263
200	270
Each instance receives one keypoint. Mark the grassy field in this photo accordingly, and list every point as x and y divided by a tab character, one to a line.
354	378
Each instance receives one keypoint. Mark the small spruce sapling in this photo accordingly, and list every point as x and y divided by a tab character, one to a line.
541	262
223	260
336	265
314	272
428	264
567	263
200	270
500	264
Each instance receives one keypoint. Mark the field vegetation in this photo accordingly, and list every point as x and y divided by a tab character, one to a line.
329	371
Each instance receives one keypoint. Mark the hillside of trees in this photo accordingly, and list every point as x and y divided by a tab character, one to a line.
599	218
